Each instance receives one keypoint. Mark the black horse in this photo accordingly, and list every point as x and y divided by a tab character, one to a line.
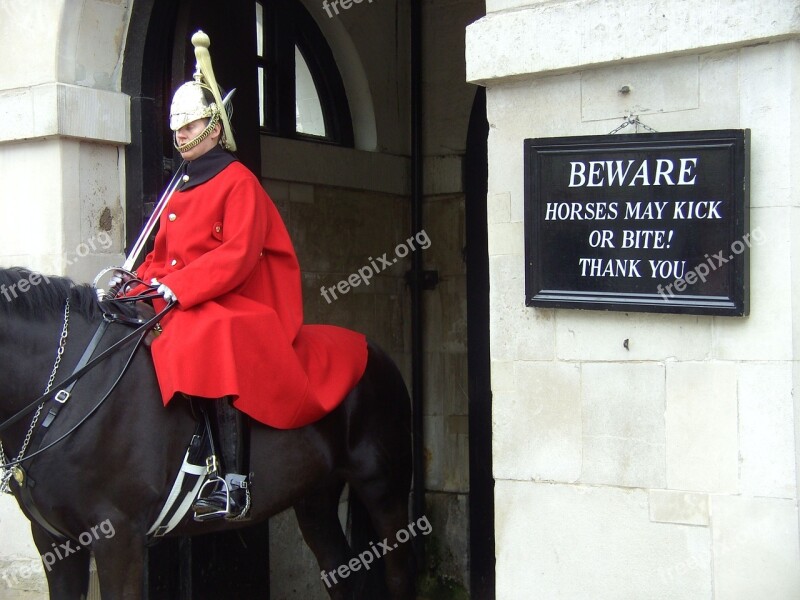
115	470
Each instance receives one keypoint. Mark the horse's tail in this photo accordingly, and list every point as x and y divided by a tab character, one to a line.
369	582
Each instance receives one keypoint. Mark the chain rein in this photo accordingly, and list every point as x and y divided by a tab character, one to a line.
6	474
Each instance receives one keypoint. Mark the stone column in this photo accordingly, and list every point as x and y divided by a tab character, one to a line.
665	467
63	127
62	135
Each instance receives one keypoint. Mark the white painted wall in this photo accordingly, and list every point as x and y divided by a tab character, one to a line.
667	470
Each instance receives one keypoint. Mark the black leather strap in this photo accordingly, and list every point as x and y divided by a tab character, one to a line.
58	401
77	374
56	404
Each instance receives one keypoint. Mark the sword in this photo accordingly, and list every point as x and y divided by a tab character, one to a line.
137	248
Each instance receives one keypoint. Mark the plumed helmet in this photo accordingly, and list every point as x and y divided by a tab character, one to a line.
201	99
190	103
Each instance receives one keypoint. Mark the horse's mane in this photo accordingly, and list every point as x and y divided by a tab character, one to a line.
31	295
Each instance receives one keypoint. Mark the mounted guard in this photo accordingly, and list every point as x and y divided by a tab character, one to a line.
231	314
223	254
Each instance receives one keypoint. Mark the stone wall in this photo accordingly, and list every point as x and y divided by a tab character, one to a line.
642	455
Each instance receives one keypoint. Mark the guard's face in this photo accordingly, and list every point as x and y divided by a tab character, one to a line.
190	131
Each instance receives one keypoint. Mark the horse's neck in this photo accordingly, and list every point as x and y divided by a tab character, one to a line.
28	350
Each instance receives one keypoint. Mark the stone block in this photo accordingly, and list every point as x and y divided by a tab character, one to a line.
278	191
601	336
503	376
58	109
765	99
756	552
446	453
529	109
28	55
498	208
443	175
686	508
447	544
455	384
444	234
35	239
293	569
516	331
717	71
514	43
301	192
675	89
702	427
506	238
445	320
623	424
537	428
99	40
766	434
100	220
575	542
766	334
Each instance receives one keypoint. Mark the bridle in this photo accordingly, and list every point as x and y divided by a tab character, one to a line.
58	394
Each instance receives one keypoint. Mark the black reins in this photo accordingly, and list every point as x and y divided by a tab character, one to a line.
141	331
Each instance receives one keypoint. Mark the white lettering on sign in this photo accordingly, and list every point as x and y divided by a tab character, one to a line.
703	209
575	211
607	173
646	238
613	267
645	210
668	269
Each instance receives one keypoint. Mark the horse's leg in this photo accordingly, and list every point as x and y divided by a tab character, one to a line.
66	565
120	563
318	517
388	511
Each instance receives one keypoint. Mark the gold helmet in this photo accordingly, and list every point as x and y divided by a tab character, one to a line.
201	99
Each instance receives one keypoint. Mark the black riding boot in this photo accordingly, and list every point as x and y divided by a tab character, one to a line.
229	436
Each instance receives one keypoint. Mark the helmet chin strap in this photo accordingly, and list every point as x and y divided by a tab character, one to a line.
203	135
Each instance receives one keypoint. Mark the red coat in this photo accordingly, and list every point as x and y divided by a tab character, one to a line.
237	330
